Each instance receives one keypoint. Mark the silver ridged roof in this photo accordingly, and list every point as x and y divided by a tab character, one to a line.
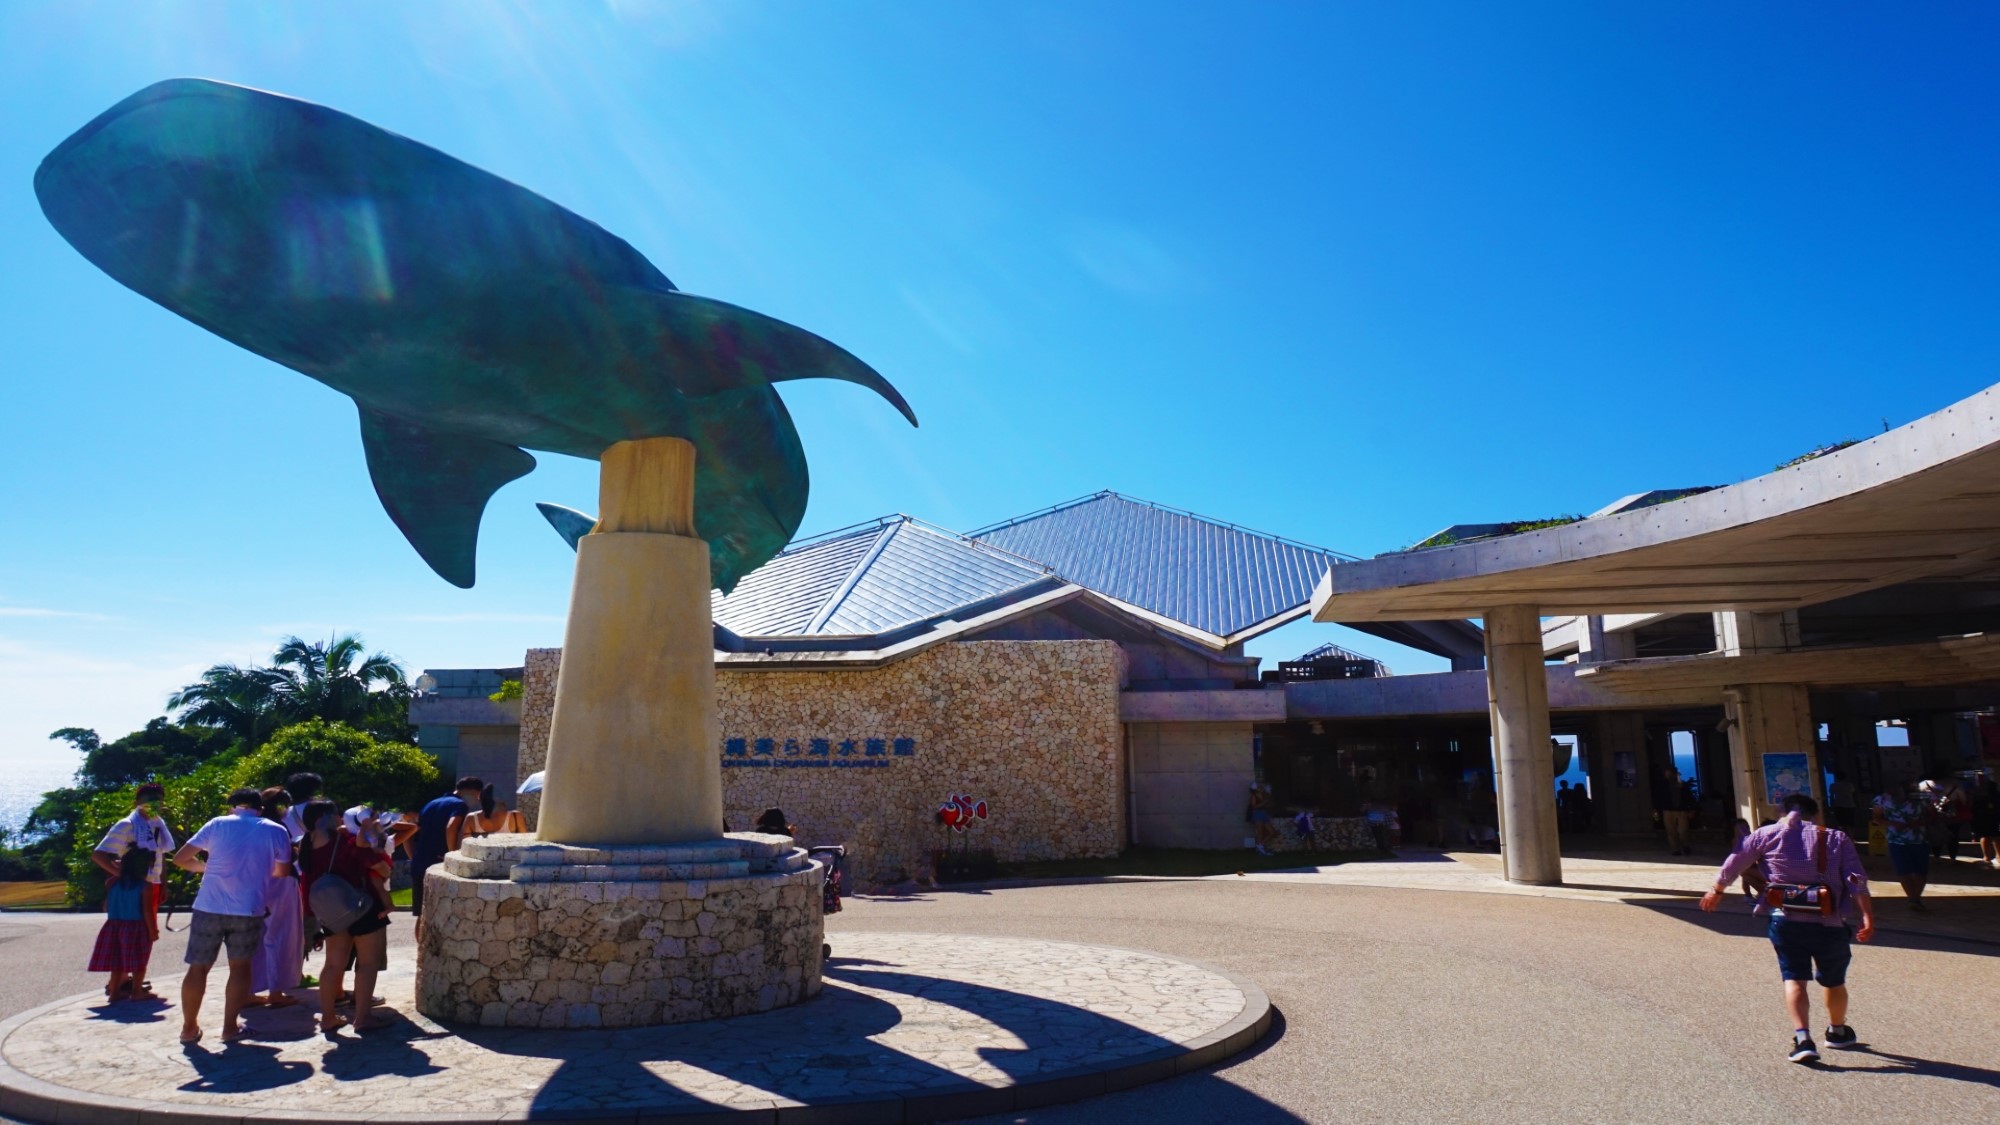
1217	577
781	597
869	580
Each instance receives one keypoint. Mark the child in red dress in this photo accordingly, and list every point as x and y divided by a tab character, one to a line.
125	942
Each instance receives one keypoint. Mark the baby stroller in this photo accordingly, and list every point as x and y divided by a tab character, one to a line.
834	857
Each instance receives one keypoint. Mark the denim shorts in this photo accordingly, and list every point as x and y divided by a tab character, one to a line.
1801	945
1910	859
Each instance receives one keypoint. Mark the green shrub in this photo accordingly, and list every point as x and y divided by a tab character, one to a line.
357	767
509	689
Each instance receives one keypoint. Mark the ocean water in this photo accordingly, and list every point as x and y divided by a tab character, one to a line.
22	786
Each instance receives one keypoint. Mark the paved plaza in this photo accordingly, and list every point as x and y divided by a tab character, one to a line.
909	1026
1611	1001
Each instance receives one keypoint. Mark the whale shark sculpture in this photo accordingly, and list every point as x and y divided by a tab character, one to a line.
467	317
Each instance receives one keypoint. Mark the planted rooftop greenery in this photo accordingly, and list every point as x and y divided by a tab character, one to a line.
1814	454
1468	533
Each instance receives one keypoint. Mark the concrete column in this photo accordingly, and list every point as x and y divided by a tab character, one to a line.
1621	810
1596	644
1517	693
1764	718
634	756
1768	719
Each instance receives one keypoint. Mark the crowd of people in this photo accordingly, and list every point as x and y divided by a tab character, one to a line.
1930	820
284	873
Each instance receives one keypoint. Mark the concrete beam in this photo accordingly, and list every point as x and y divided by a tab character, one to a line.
1246	706
443	711
1464	693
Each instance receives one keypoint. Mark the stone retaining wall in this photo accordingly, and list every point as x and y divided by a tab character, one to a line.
863	757
618	951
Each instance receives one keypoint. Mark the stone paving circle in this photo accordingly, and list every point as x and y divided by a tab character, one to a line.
910	1027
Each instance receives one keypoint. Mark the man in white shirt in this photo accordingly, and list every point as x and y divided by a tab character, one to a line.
244	852
142	829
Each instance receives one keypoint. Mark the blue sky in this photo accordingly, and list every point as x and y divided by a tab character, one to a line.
1343	272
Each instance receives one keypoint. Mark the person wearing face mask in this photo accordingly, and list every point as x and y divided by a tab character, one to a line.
145	830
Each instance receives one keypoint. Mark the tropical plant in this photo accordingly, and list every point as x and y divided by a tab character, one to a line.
335	680
241	702
509	690
358	768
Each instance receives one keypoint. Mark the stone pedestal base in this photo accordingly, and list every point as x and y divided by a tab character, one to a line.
520	933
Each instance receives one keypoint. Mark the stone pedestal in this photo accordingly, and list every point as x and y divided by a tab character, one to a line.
634	757
521	933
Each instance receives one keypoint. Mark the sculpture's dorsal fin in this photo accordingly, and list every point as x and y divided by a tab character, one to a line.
569	523
435	486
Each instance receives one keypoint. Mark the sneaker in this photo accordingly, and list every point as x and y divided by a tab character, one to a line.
1840	1035
1803	1050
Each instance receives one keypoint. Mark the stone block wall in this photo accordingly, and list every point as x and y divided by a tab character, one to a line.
538	701
1030	727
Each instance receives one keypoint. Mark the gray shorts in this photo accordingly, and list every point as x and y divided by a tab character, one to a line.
208	933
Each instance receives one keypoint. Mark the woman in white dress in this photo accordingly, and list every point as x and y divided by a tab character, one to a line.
280	963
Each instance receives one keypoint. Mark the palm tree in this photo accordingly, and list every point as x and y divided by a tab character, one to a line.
331	680
228	697
336	682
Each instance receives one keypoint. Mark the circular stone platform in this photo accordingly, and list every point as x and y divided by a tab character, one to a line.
523	933
909	1027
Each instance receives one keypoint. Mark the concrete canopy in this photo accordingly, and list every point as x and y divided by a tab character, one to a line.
1921	502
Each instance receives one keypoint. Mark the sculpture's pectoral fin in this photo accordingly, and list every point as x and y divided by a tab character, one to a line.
569	523
435	486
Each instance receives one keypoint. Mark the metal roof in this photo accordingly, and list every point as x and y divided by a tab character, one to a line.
871	579
1222	579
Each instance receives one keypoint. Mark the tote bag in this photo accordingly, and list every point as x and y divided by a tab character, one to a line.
337	903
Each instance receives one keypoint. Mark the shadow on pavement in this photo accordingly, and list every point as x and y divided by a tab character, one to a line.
825	1050
1736	921
1195	1097
386	1050
240	1068
1908	1064
1422	855
131	1011
1205	1095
